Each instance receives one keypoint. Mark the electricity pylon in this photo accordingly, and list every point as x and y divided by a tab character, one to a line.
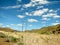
24	27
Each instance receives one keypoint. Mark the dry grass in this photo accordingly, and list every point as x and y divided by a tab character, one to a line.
32	39
36	39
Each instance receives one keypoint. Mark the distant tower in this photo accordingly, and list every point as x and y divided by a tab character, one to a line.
24	27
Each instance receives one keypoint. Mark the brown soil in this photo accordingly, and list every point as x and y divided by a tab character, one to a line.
3	42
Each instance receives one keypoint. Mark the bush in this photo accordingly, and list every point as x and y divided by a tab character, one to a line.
43	32
2	35
7	39
20	44
13	39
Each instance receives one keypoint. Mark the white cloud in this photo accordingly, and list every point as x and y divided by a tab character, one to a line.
40	12
53	10
19	25
30	25
16	24
28	14
45	9
43	22
19	0
44	25
55	23
45	19
40	1
38	7
22	9
11	24
31	4
43	2
7	26
28	5
37	12
4	25
1	24
32	20
34	3
8	7
20	16
56	16
49	15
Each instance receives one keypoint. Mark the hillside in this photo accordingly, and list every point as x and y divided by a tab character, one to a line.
8	30
47	30
55	29
35	37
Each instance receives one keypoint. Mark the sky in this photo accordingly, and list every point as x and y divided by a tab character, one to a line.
31	14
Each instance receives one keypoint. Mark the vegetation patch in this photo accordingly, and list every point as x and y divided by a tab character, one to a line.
20	44
2	35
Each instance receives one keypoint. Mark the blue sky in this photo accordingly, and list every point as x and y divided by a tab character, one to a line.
32	14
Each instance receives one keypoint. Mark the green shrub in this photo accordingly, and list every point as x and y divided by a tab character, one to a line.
45	33
2	35
21	36
21	39
13	39
20	44
7	39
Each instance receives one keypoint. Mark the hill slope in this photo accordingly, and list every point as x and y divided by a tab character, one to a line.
47	30
6	29
37	37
